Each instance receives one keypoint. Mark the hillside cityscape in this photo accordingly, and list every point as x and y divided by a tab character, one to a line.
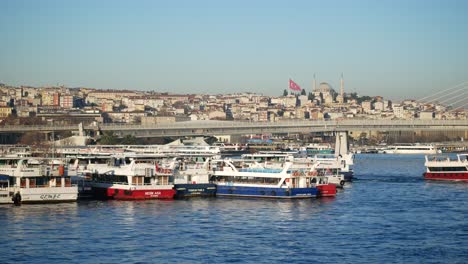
60	105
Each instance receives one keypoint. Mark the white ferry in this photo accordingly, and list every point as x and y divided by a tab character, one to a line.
411	149
35	180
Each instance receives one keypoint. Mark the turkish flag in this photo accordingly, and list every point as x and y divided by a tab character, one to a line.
294	86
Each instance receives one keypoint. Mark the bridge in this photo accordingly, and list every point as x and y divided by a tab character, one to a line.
206	128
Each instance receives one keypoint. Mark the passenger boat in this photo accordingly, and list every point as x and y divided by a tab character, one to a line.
334	168
192	178
445	168
314	149
234	180
35	180
325	189
411	149
227	149
127	176
326	165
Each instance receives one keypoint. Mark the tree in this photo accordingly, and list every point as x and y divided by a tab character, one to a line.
285	93
33	139
364	98
303	92
129	140
353	96
108	139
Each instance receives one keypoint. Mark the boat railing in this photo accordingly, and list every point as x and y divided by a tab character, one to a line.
120	183
261	170
436	158
48	186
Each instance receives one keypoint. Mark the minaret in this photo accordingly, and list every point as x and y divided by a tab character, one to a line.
342	86
314	85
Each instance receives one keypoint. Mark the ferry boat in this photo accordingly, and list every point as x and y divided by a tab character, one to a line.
227	149
335	168
35	180
233	180
314	149
411	149
192	178
325	188
127	176
445	168
329	166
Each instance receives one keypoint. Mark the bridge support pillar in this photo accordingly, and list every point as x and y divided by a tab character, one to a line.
341	143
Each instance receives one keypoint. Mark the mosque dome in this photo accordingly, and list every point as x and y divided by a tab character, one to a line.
325	88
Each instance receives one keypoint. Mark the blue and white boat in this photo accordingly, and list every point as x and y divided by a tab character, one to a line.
192	178
240	179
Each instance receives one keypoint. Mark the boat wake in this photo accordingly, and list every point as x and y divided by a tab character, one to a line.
388	178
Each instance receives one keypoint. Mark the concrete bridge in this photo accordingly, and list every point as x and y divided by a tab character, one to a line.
205	128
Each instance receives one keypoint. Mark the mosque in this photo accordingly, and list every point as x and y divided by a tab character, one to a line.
328	93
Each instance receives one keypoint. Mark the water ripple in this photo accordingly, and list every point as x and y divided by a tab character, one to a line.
388	215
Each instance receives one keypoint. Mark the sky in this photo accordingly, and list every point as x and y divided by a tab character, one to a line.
393	48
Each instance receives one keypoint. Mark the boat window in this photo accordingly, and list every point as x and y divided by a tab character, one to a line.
461	168
110	178
249	180
147	180
3	184
42	181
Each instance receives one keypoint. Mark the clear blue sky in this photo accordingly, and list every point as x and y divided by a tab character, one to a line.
398	49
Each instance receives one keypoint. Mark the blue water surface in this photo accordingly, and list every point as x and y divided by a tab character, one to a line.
389	214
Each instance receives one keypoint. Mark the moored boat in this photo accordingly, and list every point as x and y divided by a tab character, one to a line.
129	177
314	149
232	180
446	168
325	189
35	180
412	149
192	178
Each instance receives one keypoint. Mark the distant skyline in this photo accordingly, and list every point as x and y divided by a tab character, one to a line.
396	49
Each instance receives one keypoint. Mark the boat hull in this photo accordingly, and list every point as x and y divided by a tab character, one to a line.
195	190
41	195
446	176
266	192
348	175
133	194
326	190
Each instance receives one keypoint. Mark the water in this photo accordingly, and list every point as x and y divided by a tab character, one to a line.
388	215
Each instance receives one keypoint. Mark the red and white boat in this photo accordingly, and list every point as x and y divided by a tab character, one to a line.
325	189
445	168
124	177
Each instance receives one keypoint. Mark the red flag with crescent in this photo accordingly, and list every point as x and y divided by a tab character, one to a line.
294	86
